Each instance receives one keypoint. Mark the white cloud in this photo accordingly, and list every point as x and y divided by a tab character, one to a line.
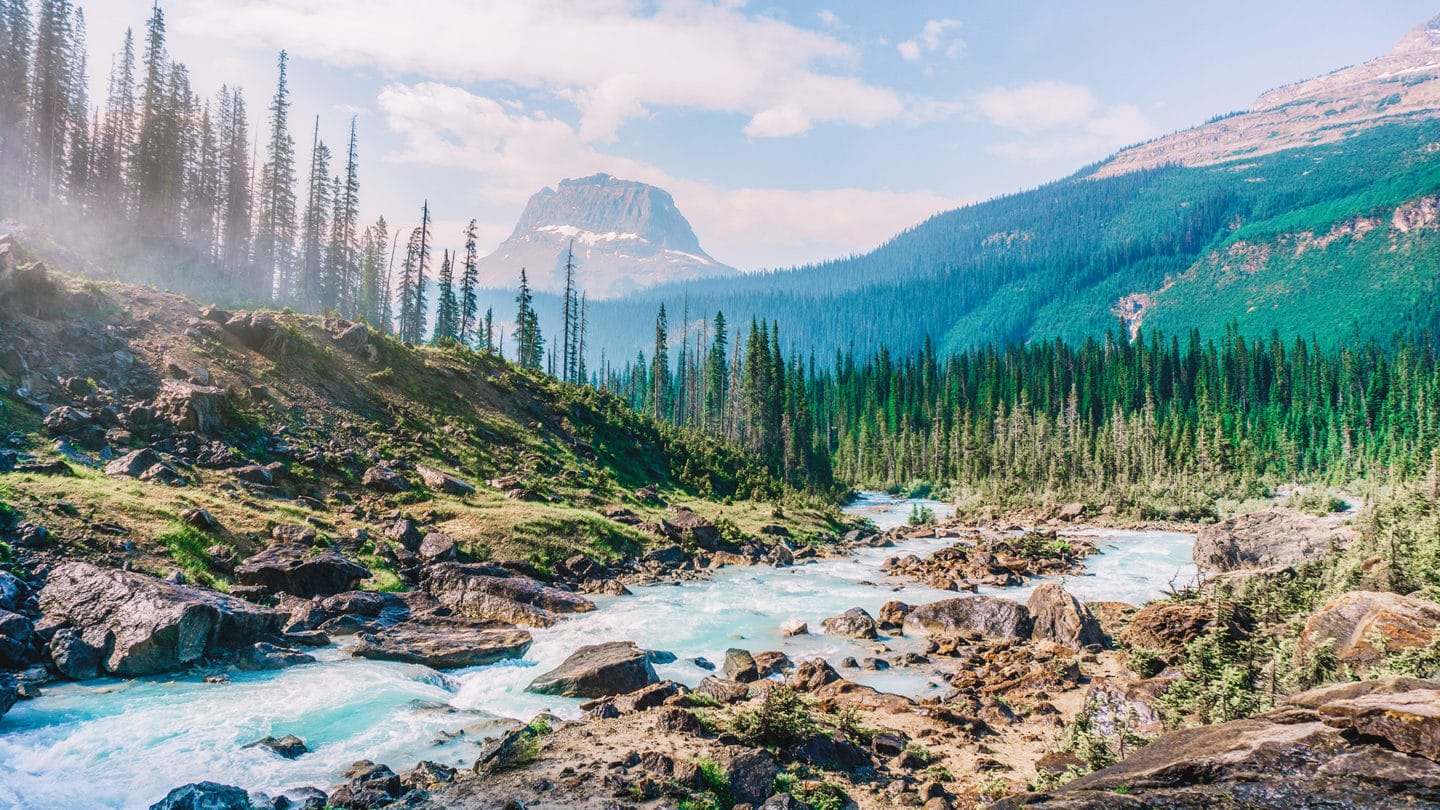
1060	120
830	19
1037	106
613	59
935	36
511	152
778	122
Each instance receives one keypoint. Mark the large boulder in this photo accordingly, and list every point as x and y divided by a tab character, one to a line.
383	478
1060	617
190	407
696	529
149	625
9	693
476	592
1361	627
1359	745
853	623
987	615
443	647
12	591
205	796
442	481
598	670
300	570
1168	626
751	773
73	656
1274	538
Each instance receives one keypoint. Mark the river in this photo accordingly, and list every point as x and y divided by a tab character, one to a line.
120	744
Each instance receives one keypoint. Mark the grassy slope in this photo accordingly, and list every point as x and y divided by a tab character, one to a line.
470	414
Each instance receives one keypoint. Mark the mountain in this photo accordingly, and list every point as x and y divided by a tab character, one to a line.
1398	86
627	236
1316	213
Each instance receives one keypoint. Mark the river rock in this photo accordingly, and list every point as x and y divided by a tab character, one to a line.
72	656
1273	538
287	747
443	647
722	690
794	627
17	640
1363	626
305	798
598	670
853	623
369	785
437	547
9	693
151	626
740	666
205	796
263	656
300	570
892	615
988	615
1061	618
475	592
811	674
442	481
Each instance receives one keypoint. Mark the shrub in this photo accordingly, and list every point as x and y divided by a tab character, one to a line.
782	719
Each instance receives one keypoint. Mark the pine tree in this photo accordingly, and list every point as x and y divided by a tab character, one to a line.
716	376
413	307
469	281
235	196
50	104
79	185
446	307
116	149
16	39
342	236
568	338
489	337
275	214
372	257
150	157
318	293
660	369
531	351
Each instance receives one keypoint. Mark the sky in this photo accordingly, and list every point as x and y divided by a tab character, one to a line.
787	132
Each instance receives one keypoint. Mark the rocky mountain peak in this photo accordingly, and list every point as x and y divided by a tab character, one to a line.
1422	39
626	235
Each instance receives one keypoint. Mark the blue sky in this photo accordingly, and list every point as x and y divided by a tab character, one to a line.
787	132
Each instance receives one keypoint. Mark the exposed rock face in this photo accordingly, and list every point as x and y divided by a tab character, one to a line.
1362	626
1273	538
72	656
740	666
262	656
1060	617
150	625
475	592
300	570
626	235
199	408
1320	751
986	615
751	773
853	623
443	647
892	615
598	670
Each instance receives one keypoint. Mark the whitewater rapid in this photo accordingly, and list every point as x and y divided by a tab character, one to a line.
121	744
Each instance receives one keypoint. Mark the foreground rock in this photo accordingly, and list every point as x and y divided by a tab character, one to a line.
485	593
598	670
146	625
1061	618
1274	538
1340	747
300	570
443	646
1361	627
205	796
853	623
987	615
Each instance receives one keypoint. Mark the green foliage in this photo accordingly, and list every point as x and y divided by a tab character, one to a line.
1144	662
187	547
820	794
782	719
716	793
1095	748
921	515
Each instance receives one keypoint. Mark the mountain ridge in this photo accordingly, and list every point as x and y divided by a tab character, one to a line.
626	236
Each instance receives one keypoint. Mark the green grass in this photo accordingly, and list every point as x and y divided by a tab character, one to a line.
187	546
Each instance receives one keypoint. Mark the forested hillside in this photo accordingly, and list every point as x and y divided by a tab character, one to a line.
1330	241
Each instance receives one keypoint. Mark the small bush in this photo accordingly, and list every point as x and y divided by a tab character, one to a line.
921	515
782	719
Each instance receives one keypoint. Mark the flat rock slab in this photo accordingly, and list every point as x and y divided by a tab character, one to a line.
987	615
443	647
300	570
474	592
598	670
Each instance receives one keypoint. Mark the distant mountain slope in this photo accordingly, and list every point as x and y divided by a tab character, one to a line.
627	236
1400	85
1334	235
